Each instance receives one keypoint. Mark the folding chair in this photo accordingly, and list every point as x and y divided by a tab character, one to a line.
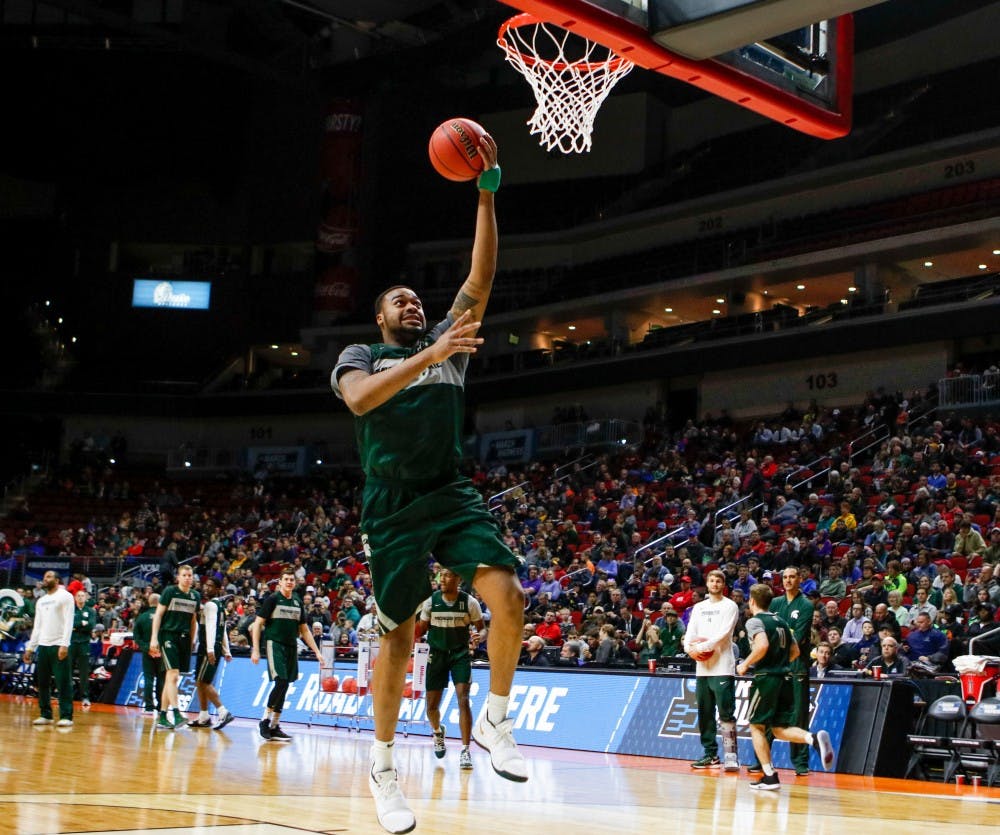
978	748
932	751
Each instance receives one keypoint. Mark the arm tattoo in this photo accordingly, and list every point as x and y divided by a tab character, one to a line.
463	302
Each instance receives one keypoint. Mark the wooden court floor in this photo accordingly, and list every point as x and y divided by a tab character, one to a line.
113	773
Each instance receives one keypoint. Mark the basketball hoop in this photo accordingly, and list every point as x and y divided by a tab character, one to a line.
569	88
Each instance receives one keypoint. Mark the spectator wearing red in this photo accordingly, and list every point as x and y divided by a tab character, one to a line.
685	597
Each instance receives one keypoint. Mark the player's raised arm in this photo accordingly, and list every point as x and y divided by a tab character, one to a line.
475	291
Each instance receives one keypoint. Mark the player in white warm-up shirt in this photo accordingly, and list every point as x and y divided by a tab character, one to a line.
710	630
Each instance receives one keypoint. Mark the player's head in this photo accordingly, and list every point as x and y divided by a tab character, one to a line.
50	581
286	580
449	581
715	581
760	597
210	588
400	315
185	576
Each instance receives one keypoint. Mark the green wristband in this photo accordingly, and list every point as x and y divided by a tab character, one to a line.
489	180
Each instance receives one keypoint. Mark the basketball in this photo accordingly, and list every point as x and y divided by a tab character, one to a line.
330	684
350	685
700	656
454	149
408	690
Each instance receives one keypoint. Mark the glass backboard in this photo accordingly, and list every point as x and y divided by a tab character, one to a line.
801	78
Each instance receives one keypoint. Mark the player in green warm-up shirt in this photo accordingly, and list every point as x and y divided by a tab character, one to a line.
175	621
796	610
772	704
152	671
84	621
213	644
445	618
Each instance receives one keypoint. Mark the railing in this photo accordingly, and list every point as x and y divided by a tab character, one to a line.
969	390
611	432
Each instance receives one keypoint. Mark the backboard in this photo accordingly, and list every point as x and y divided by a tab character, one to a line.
801	78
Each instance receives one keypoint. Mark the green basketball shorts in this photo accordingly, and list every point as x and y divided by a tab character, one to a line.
401	527
205	671
282	661
175	651
442	662
771	701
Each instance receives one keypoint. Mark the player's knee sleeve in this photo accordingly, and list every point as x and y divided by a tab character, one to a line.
276	701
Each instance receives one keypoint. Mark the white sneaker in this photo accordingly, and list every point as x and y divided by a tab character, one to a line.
439	745
64	723
465	760
506	759
41	720
731	763
825	748
86	702
390	805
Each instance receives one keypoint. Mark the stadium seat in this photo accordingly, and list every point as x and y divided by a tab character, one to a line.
931	752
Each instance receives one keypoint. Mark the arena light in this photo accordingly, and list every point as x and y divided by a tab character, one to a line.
800	286
668	310
995	252
112	461
187	463
319	462
852	289
720	301
716	311
983	267
572	327
928	263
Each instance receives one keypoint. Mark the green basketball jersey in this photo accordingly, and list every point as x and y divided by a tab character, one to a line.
142	629
180	606
84	621
220	626
797	614
282	616
416	436
779	639
449	622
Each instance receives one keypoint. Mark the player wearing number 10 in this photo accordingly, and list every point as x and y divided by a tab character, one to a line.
407	396
772	703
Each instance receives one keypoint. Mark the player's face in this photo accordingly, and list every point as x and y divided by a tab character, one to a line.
286	584
449	582
791	580
714	584
402	315
184	579
50	580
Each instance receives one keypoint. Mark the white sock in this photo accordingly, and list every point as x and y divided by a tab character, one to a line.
809	738
768	769
223	710
382	756
203	716
496	707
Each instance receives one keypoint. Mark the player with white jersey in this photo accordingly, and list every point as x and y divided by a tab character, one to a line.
709	640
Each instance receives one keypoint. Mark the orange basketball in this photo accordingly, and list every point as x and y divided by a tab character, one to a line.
330	684
350	685
408	690
700	656
454	149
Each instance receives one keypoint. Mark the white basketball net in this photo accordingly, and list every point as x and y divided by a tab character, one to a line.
569	87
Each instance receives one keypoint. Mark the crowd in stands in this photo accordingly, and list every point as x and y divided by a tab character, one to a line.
901	536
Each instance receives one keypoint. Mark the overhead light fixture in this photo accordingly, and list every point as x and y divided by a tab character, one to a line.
843	301
800	286
668	310
572	327
112	461
295	353
274	347
765	292
49	304
60	320
928	263
983	267
995	252
73	339
852	289
187	463
319	462
720	301
716	312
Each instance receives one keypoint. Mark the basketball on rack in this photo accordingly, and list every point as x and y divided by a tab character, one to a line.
454	149
350	684
408	690
330	684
